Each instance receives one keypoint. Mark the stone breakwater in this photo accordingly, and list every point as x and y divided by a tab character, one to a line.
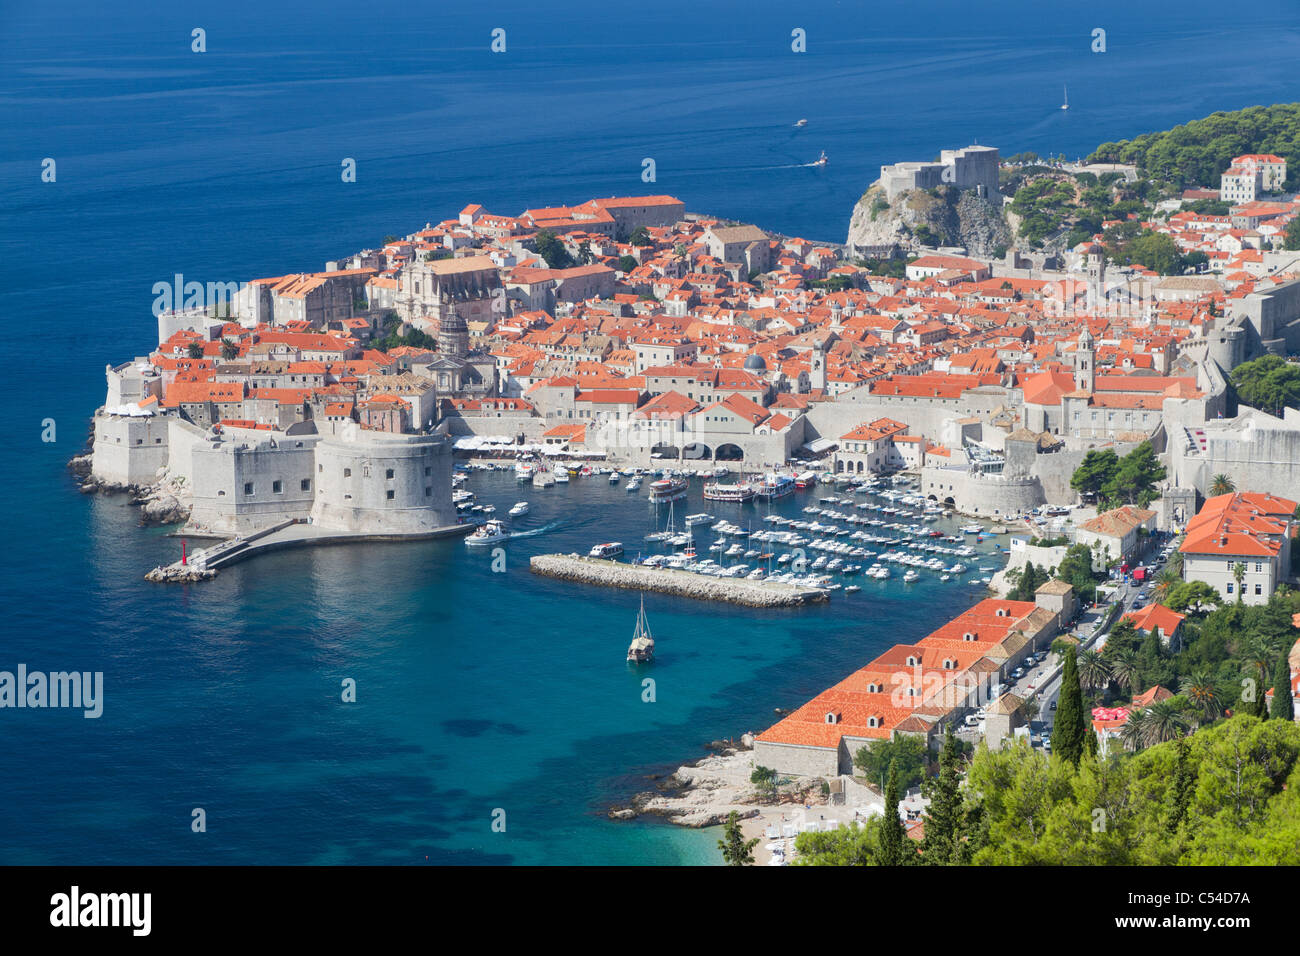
677	583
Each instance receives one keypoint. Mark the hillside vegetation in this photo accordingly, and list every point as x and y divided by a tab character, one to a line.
1196	153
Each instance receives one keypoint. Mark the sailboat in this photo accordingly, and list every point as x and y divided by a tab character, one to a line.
1065	90
642	648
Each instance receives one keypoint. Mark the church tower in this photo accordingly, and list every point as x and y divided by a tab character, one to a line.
1085	358
453	335
817	367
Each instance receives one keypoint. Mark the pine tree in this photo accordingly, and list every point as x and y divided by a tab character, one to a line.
944	819
736	850
1068	733
1282	708
1183	786
893	838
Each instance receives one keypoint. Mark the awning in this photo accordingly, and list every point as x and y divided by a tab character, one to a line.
819	446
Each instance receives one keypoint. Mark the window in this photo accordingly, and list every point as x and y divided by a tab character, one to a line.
428	471
389	494
388	473
305	484
277	487
347	472
1229	588
248	487
1259	566
1259	589
428	491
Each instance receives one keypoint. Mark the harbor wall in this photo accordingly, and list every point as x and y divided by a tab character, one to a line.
677	583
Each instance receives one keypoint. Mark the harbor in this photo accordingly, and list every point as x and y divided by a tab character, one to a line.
678	583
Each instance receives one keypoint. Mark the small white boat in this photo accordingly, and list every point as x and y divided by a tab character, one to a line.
1065	92
489	532
911	576
610	549
802	122
520	508
821	160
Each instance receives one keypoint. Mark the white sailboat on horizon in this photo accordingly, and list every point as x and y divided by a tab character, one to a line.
1066	92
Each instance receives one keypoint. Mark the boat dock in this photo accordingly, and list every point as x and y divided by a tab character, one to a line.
616	574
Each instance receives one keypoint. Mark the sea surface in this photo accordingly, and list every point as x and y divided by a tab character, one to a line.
477	691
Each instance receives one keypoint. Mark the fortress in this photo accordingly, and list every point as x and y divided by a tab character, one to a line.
975	167
244	480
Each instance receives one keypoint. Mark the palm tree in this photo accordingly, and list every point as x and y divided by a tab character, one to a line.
1198	687
1124	670
1134	733
1238	575
1163	722
1166	581
1256	659
1221	485
1094	672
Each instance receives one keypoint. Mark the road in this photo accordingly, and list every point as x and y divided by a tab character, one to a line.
1128	595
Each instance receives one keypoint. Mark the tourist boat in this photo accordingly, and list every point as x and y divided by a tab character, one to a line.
520	508
668	489
807	479
716	491
698	519
611	549
774	486
642	648
489	533
821	160
524	470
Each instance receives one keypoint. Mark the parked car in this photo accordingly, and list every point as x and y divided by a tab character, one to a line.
1053	707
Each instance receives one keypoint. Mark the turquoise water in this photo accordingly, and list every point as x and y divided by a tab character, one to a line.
476	691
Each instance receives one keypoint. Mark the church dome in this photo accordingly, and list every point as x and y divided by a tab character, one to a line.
755	363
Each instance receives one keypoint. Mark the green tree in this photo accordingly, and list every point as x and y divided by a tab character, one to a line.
906	752
229	350
736	850
1221	485
1076	570
1239	575
1269	383
1199	689
945	822
550	248
1070	726
194	350
1164	722
1134	481
1282	707
765	778
626	263
852	845
894	849
1094	672
1095	471
1194	596
1291	238
1183	785
641	237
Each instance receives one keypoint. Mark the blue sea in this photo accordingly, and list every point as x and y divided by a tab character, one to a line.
477	692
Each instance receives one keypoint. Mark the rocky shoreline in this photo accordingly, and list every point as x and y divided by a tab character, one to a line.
706	792
167	501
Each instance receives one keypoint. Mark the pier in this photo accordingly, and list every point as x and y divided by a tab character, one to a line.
203	564
615	574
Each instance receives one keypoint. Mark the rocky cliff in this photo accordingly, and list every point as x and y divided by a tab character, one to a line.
929	217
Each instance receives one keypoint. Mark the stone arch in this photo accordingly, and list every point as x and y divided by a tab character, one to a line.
729	452
697	451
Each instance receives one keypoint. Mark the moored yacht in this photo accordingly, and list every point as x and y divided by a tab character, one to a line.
520	508
668	489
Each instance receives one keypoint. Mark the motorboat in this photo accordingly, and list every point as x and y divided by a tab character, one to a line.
610	549
520	508
489	532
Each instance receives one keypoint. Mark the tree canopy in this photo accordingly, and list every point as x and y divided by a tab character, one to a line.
1116	481
1269	383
